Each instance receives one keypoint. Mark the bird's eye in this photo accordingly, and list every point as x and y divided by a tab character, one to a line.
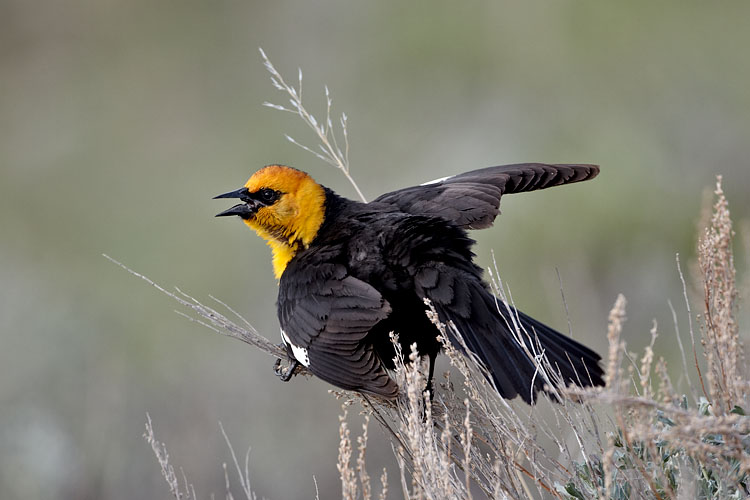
267	195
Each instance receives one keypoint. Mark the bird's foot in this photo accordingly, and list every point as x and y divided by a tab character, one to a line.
285	374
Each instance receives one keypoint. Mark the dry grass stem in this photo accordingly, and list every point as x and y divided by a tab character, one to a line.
616	347
216	321
347	474
328	148
722	345
186	490
244	476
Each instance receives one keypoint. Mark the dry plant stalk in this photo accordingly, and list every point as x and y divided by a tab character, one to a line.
216	321
329	150
348	477
612	375
167	469
185	490
364	477
722	346
352	480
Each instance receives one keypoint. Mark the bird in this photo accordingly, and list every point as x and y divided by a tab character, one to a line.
350	273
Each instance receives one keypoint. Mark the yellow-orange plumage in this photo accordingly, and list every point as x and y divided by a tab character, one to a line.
295	219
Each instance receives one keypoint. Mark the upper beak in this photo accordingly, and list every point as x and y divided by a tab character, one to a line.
239	193
244	210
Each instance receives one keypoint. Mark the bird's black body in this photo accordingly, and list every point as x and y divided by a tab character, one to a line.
371	265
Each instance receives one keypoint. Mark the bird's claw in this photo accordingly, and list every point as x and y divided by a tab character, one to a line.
285	374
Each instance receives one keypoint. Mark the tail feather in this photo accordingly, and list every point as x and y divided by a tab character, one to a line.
494	337
575	362
511	371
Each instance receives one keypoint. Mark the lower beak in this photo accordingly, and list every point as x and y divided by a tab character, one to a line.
243	210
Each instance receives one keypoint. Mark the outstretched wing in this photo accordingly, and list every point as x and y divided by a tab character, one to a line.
472	200
325	314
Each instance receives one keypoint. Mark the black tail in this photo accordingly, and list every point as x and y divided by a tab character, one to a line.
494	337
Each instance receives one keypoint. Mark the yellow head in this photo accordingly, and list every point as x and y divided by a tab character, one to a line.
283	205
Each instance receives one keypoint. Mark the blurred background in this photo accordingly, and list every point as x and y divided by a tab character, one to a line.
119	120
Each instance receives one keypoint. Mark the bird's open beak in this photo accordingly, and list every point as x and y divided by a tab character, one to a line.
244	210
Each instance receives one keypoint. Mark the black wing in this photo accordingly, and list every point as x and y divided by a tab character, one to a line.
325	314
472	200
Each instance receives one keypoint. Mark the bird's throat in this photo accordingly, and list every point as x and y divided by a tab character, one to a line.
284	248
282	254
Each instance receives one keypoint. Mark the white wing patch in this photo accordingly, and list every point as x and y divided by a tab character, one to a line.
300	353
436	181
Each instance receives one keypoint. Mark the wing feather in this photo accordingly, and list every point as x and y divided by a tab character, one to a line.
472	200
328	313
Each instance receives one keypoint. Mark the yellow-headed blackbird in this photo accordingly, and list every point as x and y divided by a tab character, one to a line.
350	273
